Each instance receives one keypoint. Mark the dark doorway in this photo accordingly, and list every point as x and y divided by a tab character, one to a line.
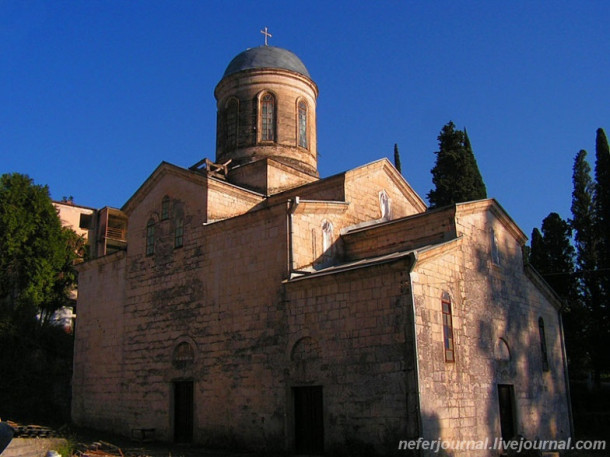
506	396
183	411
308	420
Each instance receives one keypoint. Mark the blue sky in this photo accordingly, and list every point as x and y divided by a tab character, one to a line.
95	94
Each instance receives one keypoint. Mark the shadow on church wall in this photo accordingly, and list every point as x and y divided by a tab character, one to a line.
509	338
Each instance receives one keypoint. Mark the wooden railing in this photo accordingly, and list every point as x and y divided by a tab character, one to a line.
116	233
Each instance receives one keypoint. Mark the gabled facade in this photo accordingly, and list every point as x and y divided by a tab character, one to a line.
257	303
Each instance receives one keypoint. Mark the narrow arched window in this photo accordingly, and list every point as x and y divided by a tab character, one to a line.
232	116
150	237
447	328
268	118
165	208
495	251
302	124
543	350
178	232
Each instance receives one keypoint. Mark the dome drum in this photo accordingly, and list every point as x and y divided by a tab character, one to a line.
267	112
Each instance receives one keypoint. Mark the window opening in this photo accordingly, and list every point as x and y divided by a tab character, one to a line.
268	118
448	329
179	233
303	124
165	208
495	252
232	120
150	237
543	349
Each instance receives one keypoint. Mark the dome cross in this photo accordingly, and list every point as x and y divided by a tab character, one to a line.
267	35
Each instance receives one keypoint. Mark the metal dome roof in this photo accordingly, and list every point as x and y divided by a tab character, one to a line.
266	57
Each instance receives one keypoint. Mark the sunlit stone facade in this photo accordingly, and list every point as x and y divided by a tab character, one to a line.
258	304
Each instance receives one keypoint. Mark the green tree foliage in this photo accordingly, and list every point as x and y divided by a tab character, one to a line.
602	214
538	255
456	175
36	252
589	236
552	254
397	164
583	214
36	276
602	233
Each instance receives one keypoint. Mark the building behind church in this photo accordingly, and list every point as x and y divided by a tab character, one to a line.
247	300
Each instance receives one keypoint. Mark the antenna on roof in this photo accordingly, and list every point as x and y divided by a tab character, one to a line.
267	35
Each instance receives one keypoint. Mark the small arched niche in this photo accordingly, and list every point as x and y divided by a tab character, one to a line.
305	349
501	350
183	355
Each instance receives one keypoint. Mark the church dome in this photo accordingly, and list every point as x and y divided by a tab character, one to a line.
266	57
266	109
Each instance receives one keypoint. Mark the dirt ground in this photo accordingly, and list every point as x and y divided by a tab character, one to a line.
92	443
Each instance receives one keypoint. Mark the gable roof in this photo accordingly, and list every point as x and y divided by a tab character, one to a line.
492	205
166	168
395	176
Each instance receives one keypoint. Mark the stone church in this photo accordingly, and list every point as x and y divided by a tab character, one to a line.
247	301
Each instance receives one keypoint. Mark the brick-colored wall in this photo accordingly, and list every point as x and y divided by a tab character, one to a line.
98	382
359	322
459	400
255	334
400	235
362	188
220	293
288	88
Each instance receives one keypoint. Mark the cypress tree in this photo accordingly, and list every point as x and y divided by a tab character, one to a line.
602	208
480	191
552	255
397	164
538	256
583	223
456	175
602	216
583	214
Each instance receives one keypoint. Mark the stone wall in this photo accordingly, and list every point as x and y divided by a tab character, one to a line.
495	312
348	333
220	293
400	235
364	184
97	383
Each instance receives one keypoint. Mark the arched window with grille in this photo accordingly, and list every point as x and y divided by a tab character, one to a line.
447	328
267	117
232	117
165	208
178	232
302	121
543	350
150	237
